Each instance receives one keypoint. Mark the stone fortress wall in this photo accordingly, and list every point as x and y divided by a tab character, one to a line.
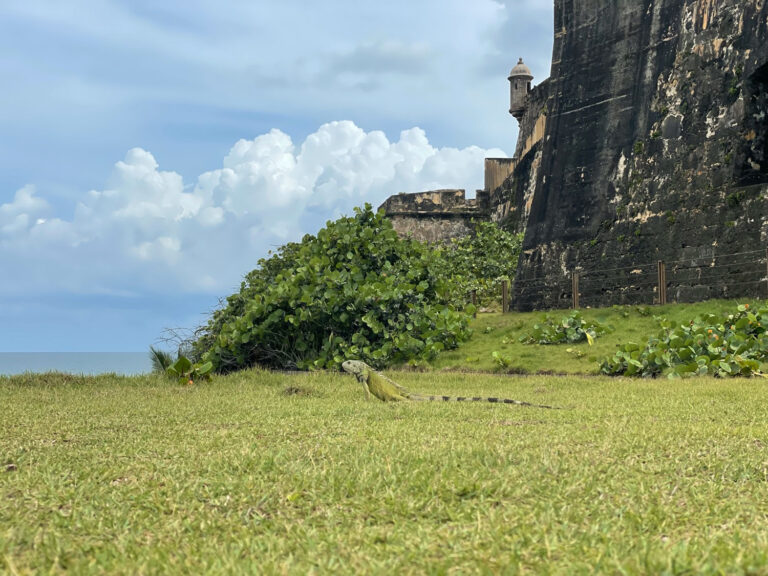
647	142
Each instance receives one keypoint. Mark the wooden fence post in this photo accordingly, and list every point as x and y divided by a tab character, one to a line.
575	290
474	302
662	282
504	297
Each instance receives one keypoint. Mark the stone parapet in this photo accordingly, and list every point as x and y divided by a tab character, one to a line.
437	215
431	202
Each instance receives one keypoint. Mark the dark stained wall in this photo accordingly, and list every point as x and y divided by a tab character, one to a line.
655	143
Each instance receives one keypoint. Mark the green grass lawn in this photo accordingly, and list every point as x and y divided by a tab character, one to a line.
139	475
501	333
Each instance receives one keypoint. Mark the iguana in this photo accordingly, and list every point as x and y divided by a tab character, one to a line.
388	391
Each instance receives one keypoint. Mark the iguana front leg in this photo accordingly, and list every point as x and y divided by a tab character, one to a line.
361	375
367	389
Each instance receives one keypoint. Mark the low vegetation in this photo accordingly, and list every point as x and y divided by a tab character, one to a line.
496	342
182	368
268	473
568	329
723	345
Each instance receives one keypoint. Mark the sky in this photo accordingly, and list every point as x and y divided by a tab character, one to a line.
152	152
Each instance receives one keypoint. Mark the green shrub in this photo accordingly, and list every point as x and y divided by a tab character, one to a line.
725	345
501	360
186	372
356	290
568	329
481	261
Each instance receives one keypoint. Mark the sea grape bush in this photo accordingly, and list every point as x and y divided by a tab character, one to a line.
187	372
566	330
725	346
501	360
480	261
355	290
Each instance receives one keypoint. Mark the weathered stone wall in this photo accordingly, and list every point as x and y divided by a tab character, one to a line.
497	170
654	148
436	216
431	229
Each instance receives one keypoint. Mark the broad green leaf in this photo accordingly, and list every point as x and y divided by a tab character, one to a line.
182	365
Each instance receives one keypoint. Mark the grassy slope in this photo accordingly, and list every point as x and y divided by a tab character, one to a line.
138	475
497	332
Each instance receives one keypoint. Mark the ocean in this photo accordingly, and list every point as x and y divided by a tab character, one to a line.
128	363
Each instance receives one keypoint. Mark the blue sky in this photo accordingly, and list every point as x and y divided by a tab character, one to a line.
151	152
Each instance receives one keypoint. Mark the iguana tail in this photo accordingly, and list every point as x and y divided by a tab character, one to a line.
418	398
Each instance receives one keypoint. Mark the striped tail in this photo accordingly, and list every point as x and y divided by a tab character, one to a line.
477	399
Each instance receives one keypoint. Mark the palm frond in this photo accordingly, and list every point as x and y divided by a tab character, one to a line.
160	359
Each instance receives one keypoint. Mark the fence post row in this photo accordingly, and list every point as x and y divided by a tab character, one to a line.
657	290
662	282
504	297
575	290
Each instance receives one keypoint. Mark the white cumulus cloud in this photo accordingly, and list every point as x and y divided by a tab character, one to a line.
148	231
18	216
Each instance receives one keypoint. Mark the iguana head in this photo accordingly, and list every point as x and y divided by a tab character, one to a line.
354	367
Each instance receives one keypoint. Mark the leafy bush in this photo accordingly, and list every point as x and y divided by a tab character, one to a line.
481	261
568	329
186	372
356	290
501	360
723	346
